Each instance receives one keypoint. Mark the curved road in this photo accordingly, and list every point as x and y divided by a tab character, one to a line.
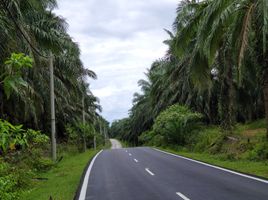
148	174
115	144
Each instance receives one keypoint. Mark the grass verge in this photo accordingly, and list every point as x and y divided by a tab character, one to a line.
249	167
61	181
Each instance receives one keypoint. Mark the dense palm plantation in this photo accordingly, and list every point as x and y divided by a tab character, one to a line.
32	37
32	28
216	64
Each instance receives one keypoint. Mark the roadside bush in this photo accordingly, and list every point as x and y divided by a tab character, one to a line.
217	145
11	137
176	124
151	139
22	152
146	137
259	152
36	139
158	140
13	180
205	139
77	132
15	138
7	183
42	164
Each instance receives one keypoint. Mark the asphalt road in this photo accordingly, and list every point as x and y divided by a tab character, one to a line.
146	174
115	144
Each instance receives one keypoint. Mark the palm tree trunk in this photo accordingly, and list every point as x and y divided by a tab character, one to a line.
227	94
213	108
84	121
265	93
2	103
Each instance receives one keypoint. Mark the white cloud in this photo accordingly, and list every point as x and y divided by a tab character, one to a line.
119	39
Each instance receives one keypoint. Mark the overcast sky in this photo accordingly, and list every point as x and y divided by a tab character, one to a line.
119	39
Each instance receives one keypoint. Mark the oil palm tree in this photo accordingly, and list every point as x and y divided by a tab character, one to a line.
31	27
236	28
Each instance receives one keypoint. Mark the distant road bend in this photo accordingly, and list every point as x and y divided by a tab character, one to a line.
147	174
115	144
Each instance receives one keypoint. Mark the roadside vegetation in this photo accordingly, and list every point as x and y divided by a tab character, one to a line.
30	32
61	182
208	96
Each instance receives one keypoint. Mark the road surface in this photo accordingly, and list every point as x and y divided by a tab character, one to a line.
115	144
147	174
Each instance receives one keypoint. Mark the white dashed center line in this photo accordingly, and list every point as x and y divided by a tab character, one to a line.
136	160
151	173
182	196
130	154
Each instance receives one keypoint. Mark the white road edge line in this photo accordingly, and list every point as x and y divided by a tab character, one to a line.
151	173
216	167
136	160
182	196
130	154
83	191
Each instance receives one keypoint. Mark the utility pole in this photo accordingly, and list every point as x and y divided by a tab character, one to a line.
95	145
105	136
94	133
83	118
52	106
100	126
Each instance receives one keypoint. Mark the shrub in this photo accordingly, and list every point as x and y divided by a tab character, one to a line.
36	138
78	131
259	152
42	164
21	155
146	137
206	139
152	139
12	181
13	137
176	124
158	140
217	145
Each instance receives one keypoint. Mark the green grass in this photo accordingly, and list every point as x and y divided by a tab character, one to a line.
257	126
63	179
244	166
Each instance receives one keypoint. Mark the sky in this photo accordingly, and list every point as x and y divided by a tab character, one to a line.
119	40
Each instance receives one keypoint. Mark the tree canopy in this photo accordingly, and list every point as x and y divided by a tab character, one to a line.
216	64
32	28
